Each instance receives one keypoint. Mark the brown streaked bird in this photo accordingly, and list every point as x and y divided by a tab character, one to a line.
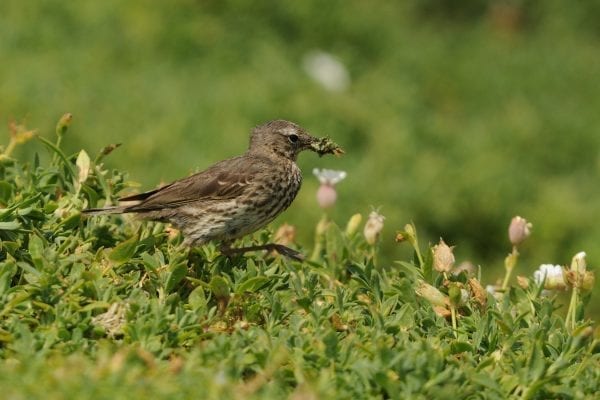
233	197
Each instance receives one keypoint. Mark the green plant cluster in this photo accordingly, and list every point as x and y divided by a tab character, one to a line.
109	307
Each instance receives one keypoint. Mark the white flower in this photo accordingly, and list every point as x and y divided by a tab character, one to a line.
329	176
552	275
327	70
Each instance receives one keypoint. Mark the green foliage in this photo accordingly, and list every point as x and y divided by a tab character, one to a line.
109	307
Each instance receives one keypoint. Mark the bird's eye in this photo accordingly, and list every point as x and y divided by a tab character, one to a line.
293	138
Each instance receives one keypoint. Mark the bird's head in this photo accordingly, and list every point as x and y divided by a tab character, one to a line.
286	139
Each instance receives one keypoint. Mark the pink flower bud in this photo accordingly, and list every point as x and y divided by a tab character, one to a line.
443	258
518	230
326	196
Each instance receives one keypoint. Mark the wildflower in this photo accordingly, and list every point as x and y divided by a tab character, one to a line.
519	230
373	227
353	224
552	276
443	258
326	195
327	70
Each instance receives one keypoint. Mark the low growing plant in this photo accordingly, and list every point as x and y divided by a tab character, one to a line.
112	307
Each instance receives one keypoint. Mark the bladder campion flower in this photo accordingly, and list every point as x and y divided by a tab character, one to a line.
326	194
373	227
443	258
519	230
552	276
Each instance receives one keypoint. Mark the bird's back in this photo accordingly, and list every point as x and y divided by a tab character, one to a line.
227	201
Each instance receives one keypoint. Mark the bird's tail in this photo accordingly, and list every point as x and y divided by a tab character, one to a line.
106	210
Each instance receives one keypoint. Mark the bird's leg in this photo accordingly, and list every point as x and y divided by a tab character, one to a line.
227	250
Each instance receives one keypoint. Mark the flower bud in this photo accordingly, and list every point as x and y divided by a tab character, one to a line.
454	295
443	258
63	124
373	227
431	294
410	232
353	224
522	281
518	230
578	263
326	196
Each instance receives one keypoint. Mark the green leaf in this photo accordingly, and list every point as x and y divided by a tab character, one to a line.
219	287
460	347
123	251
253	284
10	225
536	362
197	298
331	345
176	273
52	147
72	221
36	250
6	190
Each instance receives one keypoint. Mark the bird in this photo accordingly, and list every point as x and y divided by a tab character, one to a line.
236	196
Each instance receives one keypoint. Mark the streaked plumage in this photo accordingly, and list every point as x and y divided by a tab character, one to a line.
233	197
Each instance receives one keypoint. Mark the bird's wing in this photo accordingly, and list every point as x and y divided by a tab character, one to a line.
225	180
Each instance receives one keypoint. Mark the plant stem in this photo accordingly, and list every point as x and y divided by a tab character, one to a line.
454	324
509	264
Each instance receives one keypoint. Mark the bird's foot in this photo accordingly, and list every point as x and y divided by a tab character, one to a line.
279	248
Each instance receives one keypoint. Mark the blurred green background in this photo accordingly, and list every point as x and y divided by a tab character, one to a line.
456	115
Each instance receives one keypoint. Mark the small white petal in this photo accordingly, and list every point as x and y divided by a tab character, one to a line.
329	176
552	276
